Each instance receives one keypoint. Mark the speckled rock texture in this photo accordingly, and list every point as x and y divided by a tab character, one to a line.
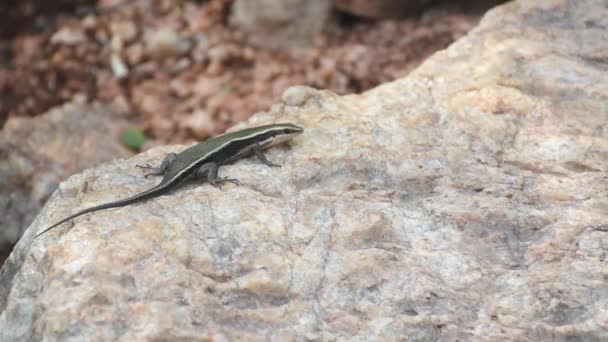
36	154
468	201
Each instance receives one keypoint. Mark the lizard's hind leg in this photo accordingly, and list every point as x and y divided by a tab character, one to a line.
159	171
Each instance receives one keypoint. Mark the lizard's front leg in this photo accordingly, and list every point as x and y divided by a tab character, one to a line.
164	165
210	170
257	151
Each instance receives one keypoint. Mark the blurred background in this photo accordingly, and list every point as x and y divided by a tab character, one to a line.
84	81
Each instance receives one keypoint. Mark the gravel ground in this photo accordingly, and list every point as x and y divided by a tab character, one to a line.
180	70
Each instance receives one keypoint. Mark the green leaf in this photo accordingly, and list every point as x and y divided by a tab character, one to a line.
134	138
225	88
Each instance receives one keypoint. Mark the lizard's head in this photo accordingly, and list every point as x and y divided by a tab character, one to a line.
279	133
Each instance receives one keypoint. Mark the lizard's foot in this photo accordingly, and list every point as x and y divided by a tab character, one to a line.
217	182
155	170
145	167
159	171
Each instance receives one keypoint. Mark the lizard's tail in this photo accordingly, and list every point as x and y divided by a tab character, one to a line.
139	197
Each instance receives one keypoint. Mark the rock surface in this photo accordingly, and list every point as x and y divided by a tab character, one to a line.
468	201
280	24
38	153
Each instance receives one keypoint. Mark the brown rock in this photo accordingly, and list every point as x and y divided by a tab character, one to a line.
166	42
68	36
382	9
280	24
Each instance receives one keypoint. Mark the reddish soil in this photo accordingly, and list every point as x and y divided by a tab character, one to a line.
64	51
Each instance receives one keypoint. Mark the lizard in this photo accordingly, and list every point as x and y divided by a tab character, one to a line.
203	160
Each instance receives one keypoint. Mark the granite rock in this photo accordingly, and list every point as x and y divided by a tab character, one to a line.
467	201
38	153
